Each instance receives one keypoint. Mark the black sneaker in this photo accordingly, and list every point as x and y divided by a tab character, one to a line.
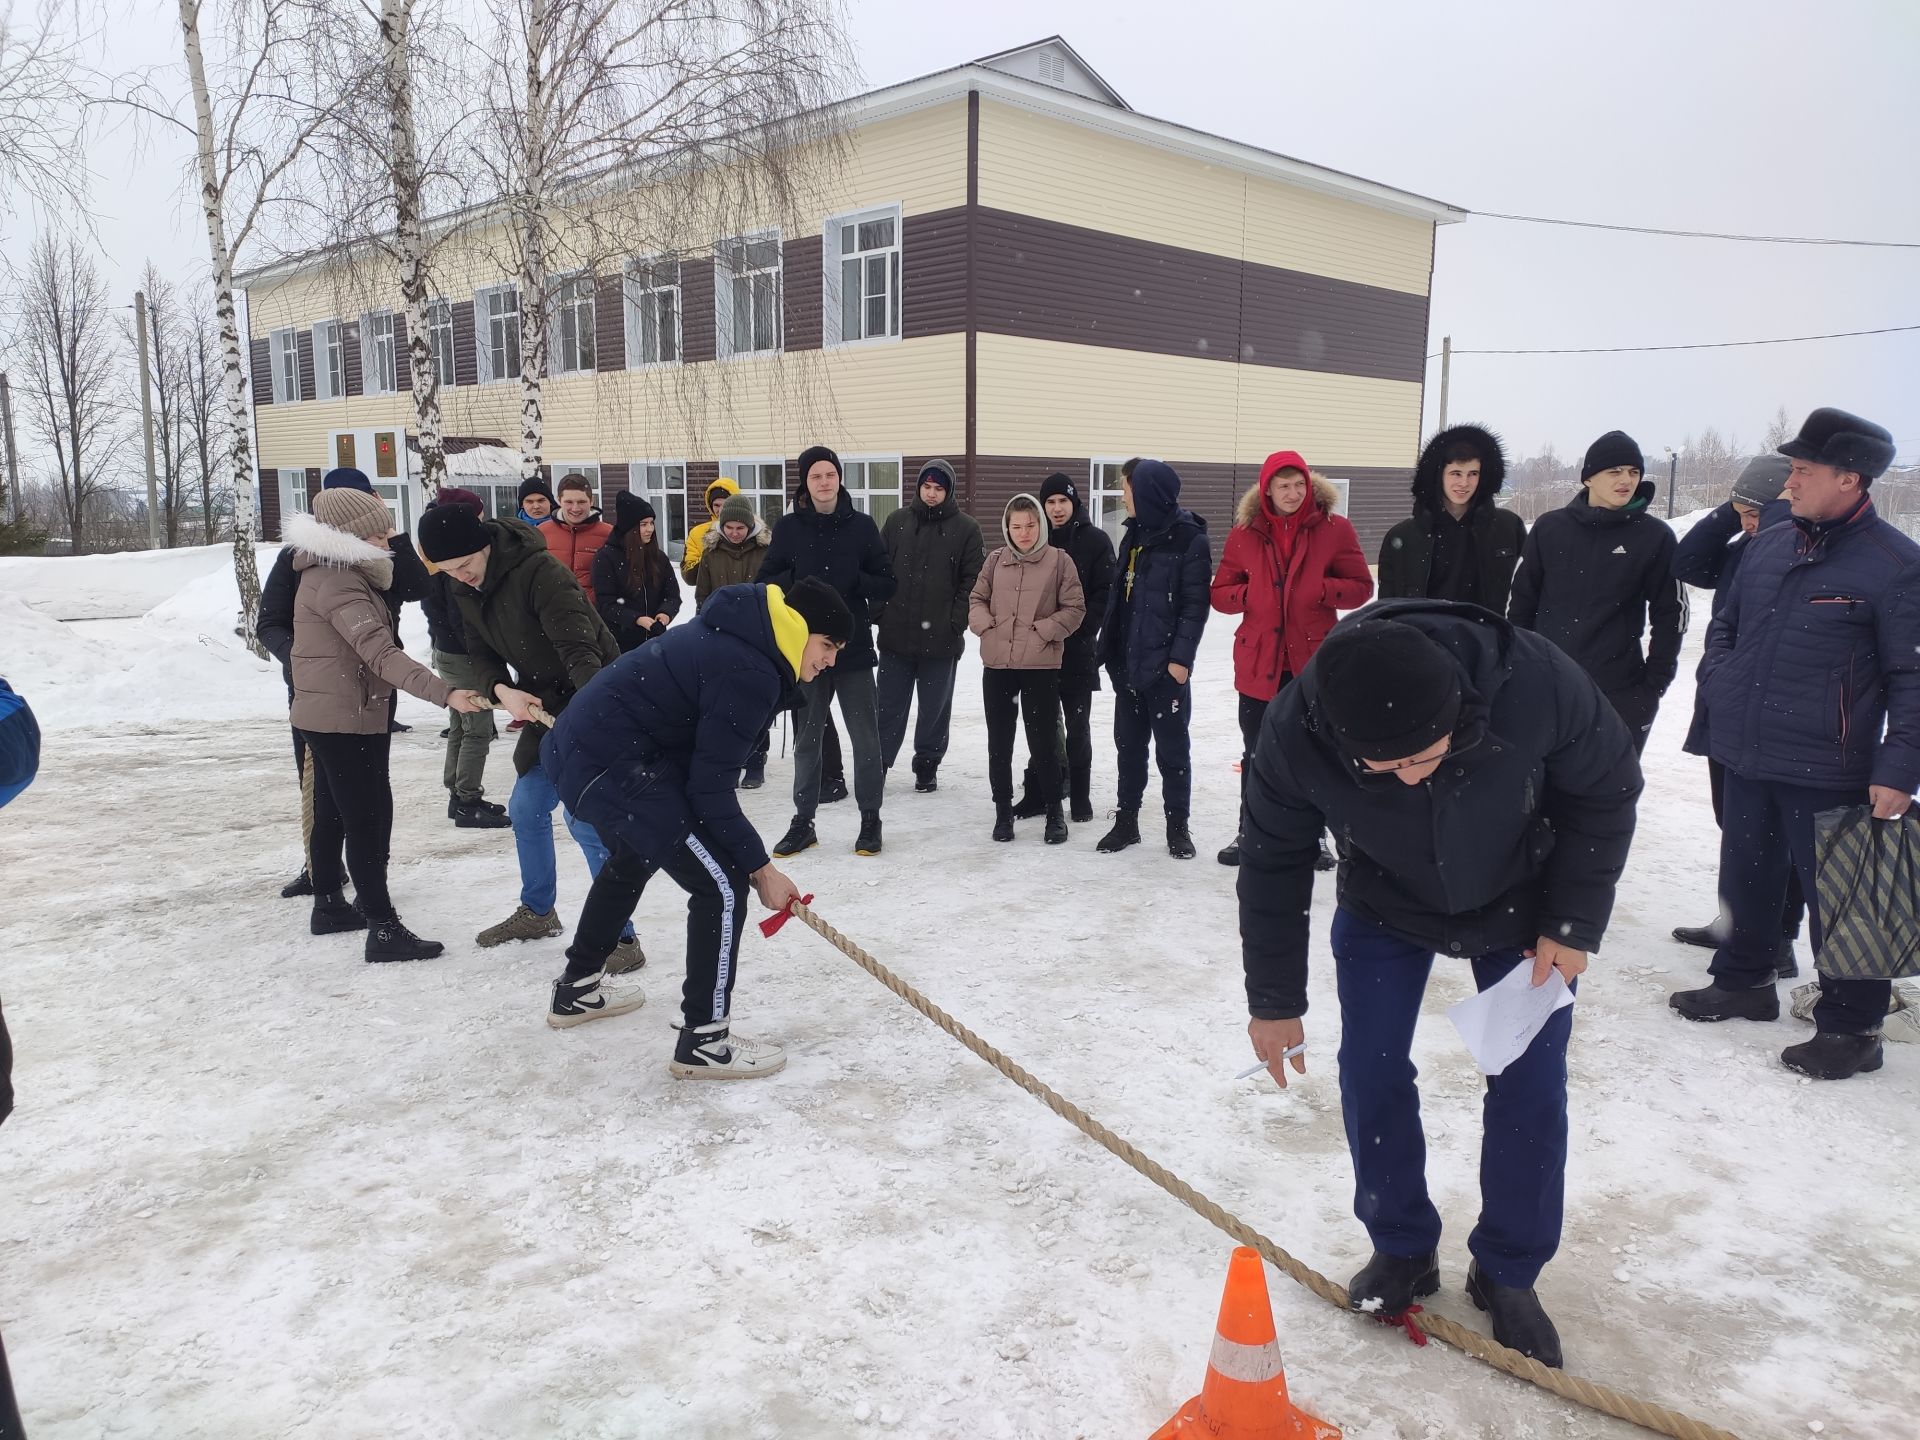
396	728
1125	832
332	915
1519	1321
1387	1284
753	777
1707	937
799	837
389	941
474	815
926	777
1081	810
1179	838
1833	1056
1712	1002
868	842
832	790
1230	854
301	884
1003	822
1029	806
593	997
1056	825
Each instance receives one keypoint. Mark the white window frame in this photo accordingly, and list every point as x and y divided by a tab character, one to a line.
636	298
834	258
483	325
329	360
1100	497
294	499
283	364
724	276
379	353
863	491
440	323
759	491
671	486
570	308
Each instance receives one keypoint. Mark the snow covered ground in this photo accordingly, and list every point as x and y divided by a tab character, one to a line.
255	1187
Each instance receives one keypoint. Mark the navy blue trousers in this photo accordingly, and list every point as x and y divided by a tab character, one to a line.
1162	713
1523	1149
1767	831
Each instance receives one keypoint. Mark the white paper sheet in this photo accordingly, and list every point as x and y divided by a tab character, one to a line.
1500	1022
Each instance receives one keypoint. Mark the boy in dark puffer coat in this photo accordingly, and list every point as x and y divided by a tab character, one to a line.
1457	544
1594	574
1148	641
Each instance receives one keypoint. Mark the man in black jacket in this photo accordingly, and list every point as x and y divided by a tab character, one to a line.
1483	794
1708	557
936	553
1071	529
1457	544
1595	573
826	538
274	629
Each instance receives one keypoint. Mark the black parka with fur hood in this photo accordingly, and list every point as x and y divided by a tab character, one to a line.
1487	541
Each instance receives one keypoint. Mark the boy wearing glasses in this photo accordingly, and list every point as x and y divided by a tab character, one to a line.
1484	791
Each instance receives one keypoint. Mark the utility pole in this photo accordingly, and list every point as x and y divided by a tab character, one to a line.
1446	375
146	419
1673	469
11	508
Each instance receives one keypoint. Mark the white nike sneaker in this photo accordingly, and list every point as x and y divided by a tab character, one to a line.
593	998
712	1052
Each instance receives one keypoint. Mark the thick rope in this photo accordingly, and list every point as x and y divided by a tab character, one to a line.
1602	1398
306	809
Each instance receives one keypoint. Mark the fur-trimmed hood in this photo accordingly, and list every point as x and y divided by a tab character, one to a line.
1493	467
1325	497
315	544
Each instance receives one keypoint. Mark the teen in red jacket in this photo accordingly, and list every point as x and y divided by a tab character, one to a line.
575	532
1289	567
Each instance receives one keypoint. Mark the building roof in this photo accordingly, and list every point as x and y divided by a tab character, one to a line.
1047	76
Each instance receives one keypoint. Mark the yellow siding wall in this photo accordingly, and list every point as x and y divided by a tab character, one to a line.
1040	397
1034	164
907	398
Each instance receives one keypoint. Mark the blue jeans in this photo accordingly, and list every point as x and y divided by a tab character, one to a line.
530	807
1523	1147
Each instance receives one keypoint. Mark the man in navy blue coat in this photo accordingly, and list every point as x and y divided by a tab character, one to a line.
1149	638
1708	557
1812	689
19	762
649	753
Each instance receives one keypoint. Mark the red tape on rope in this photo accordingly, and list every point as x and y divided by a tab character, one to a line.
770	926
1404	1320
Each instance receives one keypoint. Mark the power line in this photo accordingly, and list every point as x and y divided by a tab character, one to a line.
1700	234
1706	345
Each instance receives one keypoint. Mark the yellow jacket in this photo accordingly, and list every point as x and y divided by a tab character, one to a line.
715	497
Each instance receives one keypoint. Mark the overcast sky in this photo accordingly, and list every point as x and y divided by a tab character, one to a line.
1762	116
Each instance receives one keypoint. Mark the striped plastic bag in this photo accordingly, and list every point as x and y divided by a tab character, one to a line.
1867	884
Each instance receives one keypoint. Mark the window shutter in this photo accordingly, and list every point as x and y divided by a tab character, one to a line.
465	364
303	353
609	328
350	355
832	331
402	362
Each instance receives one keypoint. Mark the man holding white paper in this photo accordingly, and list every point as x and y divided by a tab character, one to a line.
1482	792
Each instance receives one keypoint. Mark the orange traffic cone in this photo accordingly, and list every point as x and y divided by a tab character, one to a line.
1245	1394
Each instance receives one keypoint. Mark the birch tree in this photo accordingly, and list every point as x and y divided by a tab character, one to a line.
618	125
42	158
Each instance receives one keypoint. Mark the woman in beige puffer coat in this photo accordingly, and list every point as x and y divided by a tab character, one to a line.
346	663
1025	604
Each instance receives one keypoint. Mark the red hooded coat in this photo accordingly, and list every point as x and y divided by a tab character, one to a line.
1288	606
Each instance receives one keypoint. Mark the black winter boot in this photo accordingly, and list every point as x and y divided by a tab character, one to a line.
1056	825
1230	854
868	841
754	776
332	915
1519	1322
833	789
1714	1003
1125	832
1003	821
1029	806
389	941
301	884
1833	1056
799	837
1707	937
1082	809
1179	838
1387	1284
926	776
478	815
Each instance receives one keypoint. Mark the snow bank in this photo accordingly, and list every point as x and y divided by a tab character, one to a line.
110	587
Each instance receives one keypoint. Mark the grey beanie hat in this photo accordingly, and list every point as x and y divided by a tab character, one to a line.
1761	481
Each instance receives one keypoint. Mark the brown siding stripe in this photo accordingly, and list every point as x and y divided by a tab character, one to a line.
610	324
613	479
350	349
696	310
260	374
269	482
801	293
402	362
466	358
933	274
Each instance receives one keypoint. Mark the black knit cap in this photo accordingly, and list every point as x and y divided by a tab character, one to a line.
820	605
1387	691
813	455
1616	447
1058	484
536	486
449	531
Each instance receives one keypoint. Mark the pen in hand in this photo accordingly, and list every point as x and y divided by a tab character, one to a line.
1287	1054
